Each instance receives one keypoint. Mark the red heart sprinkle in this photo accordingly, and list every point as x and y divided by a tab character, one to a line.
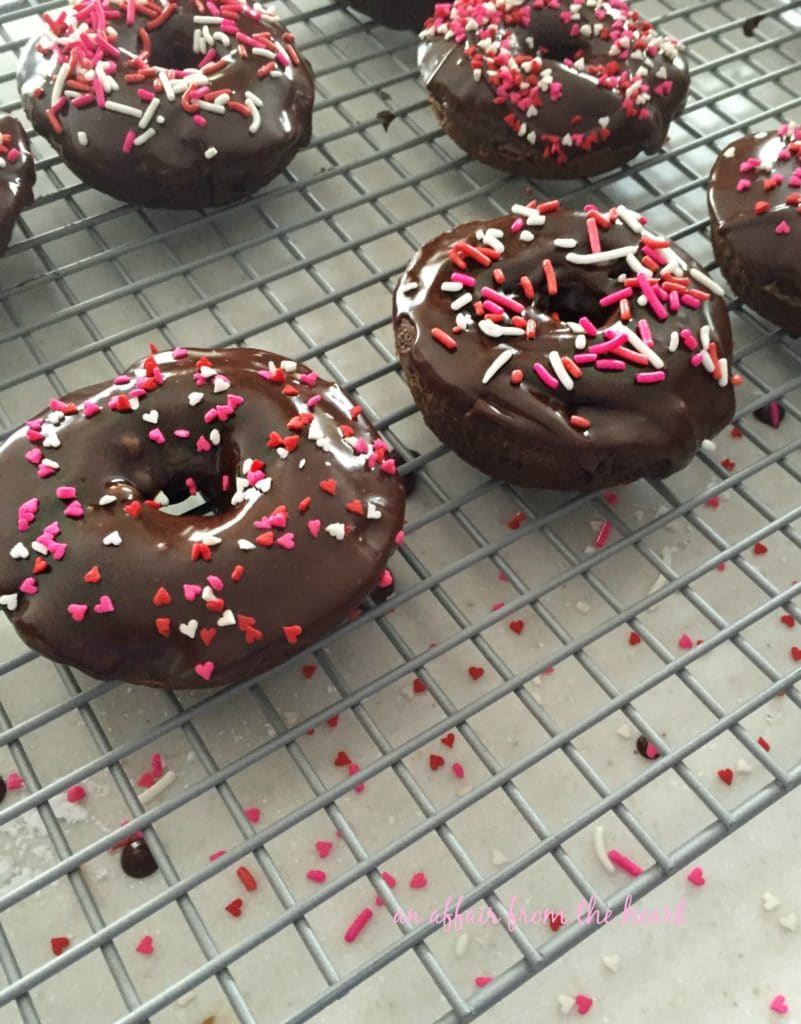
583	1004
163	626
448	739
435	761
309	670
760	548
355	507
234	908
788	620
40	565
93	576
728	464
332	722
418	686
208	634
516	626
329	486
476	672
252	635
133	508
555	921
341	759
323	848
59	944
726	775
292	633
796	653
634	639
161	597
516	521
418	881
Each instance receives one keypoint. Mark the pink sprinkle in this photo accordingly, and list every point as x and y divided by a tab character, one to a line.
253	814
418	881
651	751
783	228
457	769
624	862
465	279
145	945
546	376
696	877
323	848
75	794
65	493
779	1004
357	924
651	296
145	780
199	120
502	300
743	185
650	377
685	642
588	326
216	854
156	435
14	781
485	979
352	769
156	766
614	297
603	534
313	526
315	875
128	141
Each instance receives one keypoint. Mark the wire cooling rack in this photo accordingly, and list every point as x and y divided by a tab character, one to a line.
524	656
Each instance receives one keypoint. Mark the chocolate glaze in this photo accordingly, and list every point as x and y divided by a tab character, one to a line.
16	176
171	169
762	264
657	425
590	127
136	859
400	14
291	578
3	789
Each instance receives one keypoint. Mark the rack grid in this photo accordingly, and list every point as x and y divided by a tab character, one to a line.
573	648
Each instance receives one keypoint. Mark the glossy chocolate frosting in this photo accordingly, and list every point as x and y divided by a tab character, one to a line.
305	511
754	203
485	369
187	152
17	176
569	81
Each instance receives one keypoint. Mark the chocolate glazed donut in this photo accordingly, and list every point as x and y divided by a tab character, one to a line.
551	90
565	350
304	508
17	176
754	205
174	103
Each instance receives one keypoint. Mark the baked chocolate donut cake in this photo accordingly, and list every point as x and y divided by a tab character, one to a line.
563	349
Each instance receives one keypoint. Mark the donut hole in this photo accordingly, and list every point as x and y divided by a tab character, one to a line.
172	51
574	299
193	497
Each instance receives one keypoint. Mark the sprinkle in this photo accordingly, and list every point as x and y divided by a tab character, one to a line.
418	880
624	862
14	781
782	228
358	923
651	377
59	944
157	788
323	848
779	1004
550	276
583	1004
497	364
696	877
145	945
315	875
547	378
600	849
247	879
603	534
75	794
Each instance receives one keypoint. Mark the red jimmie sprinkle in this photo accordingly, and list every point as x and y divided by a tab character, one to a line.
357	924
247	879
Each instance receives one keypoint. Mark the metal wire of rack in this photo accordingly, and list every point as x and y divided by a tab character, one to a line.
536	716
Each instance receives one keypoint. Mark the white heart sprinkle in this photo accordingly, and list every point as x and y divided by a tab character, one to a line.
372	511
221	384
161	498
769	901
151	417
39	548
112	539
245	545
336	530
789	921
208	594
625	731
264	485
498	858
603	122
9	601
19	550
227	618
107	499
289	365
566	1003
188	628
50	464
51	441
195	397
207	371
744	767
214	437
612	962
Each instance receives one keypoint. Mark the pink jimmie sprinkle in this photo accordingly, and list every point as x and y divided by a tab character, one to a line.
457	770
603	534
156	766
356	925
779	1004
128	142
624	862
650	377
216	854
482	980
75	794
14	781
315	875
